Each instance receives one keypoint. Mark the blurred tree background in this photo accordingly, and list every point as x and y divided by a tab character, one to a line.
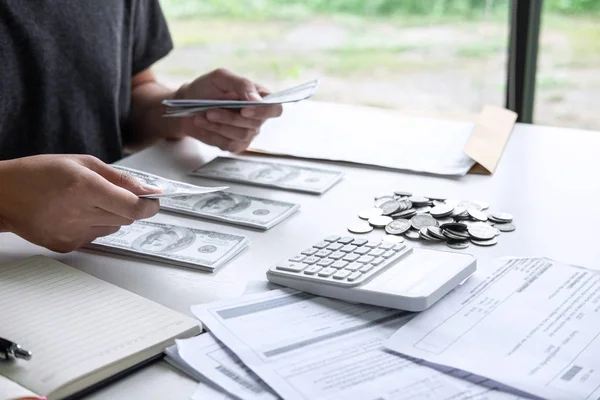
426	56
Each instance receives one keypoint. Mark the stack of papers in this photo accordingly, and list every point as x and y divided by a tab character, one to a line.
184	108
174	244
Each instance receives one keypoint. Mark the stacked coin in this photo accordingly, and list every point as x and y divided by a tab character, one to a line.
434	219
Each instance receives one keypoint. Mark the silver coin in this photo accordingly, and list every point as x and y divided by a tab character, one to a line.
489	242
398	226
457	244
404	205
452	202
384	195
412	234
402	193
454	235
436	198
390	207
502	216
508	227
360	227
482	204
370	212
380	221
477	215
441	211
470	205
419	200
423	210
458	211
446	220
479	232
435	232
420	221
392	239
379	202
405	214
424	234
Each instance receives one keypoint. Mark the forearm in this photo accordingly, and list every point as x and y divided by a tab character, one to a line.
147	121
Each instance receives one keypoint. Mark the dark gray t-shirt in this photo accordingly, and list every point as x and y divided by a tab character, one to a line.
65	73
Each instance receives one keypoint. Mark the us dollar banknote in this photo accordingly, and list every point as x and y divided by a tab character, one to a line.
174	244
170	188
291	177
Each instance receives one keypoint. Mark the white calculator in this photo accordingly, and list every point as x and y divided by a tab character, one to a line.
386	274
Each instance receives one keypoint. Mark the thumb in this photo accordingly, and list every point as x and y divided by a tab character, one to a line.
230	82
121	178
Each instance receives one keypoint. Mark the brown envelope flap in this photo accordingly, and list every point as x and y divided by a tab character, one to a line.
490	135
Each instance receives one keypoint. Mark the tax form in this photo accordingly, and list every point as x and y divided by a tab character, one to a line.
309	347
530	323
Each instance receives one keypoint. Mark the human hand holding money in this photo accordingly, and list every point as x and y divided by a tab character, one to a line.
227	129
63	202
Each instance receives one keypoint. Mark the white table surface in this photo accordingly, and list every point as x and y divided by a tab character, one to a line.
548	178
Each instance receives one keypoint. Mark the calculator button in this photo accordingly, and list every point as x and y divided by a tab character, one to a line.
337	255
335	246
367	268
332	238
346	240
341	274
291	267
321	245
322	253
351	257
377	261
327	272
354	276
339	264
313	269
372	244
310	252
326	262
365	259
386	246
360	242
311	260
399	247
377	252
298	258
389	253
354	266
362	250
349	248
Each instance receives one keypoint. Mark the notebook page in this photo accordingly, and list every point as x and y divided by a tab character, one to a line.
10	390
74	323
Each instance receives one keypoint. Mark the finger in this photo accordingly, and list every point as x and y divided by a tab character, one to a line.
262	113
232	118
117	200
228	131
214	139
230	82
100	217
95	232
119	178
239	147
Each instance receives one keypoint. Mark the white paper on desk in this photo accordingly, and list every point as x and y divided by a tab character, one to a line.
372	136
205	355
307	347
530	323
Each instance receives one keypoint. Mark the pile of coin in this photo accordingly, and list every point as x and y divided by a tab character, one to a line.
434	219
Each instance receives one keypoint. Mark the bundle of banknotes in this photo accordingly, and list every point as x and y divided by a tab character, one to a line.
222	206
269	174
184	108
174	244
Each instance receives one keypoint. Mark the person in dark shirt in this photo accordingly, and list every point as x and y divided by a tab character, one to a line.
76	86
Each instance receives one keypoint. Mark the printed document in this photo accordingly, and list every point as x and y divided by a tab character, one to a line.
308	347
530	323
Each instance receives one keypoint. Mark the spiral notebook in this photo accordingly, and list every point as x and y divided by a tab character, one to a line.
80	329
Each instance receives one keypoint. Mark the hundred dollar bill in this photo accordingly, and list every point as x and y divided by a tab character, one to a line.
169	187
302	179
233	208
174	244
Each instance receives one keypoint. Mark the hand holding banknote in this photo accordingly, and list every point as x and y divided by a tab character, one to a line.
63	202
230	130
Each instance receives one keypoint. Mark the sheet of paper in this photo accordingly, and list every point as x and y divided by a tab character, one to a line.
367	135
307	347
206	392
219	365
530	323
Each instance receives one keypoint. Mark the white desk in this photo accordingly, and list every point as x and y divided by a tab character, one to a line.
548	179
